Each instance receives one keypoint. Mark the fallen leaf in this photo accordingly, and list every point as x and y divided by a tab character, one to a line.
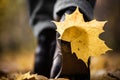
28	76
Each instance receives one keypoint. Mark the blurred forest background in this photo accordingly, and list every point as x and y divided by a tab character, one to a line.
17	42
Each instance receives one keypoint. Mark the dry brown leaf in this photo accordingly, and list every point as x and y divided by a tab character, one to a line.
83	36
28	76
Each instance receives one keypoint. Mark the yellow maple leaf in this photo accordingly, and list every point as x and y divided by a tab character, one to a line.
83	36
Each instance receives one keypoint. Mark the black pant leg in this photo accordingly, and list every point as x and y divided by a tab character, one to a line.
41	14
85	6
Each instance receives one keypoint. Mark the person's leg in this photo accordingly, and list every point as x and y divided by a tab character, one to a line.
68	6
40	16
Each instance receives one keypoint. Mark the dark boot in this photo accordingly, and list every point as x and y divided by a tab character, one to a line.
57	59
57	62
45	52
